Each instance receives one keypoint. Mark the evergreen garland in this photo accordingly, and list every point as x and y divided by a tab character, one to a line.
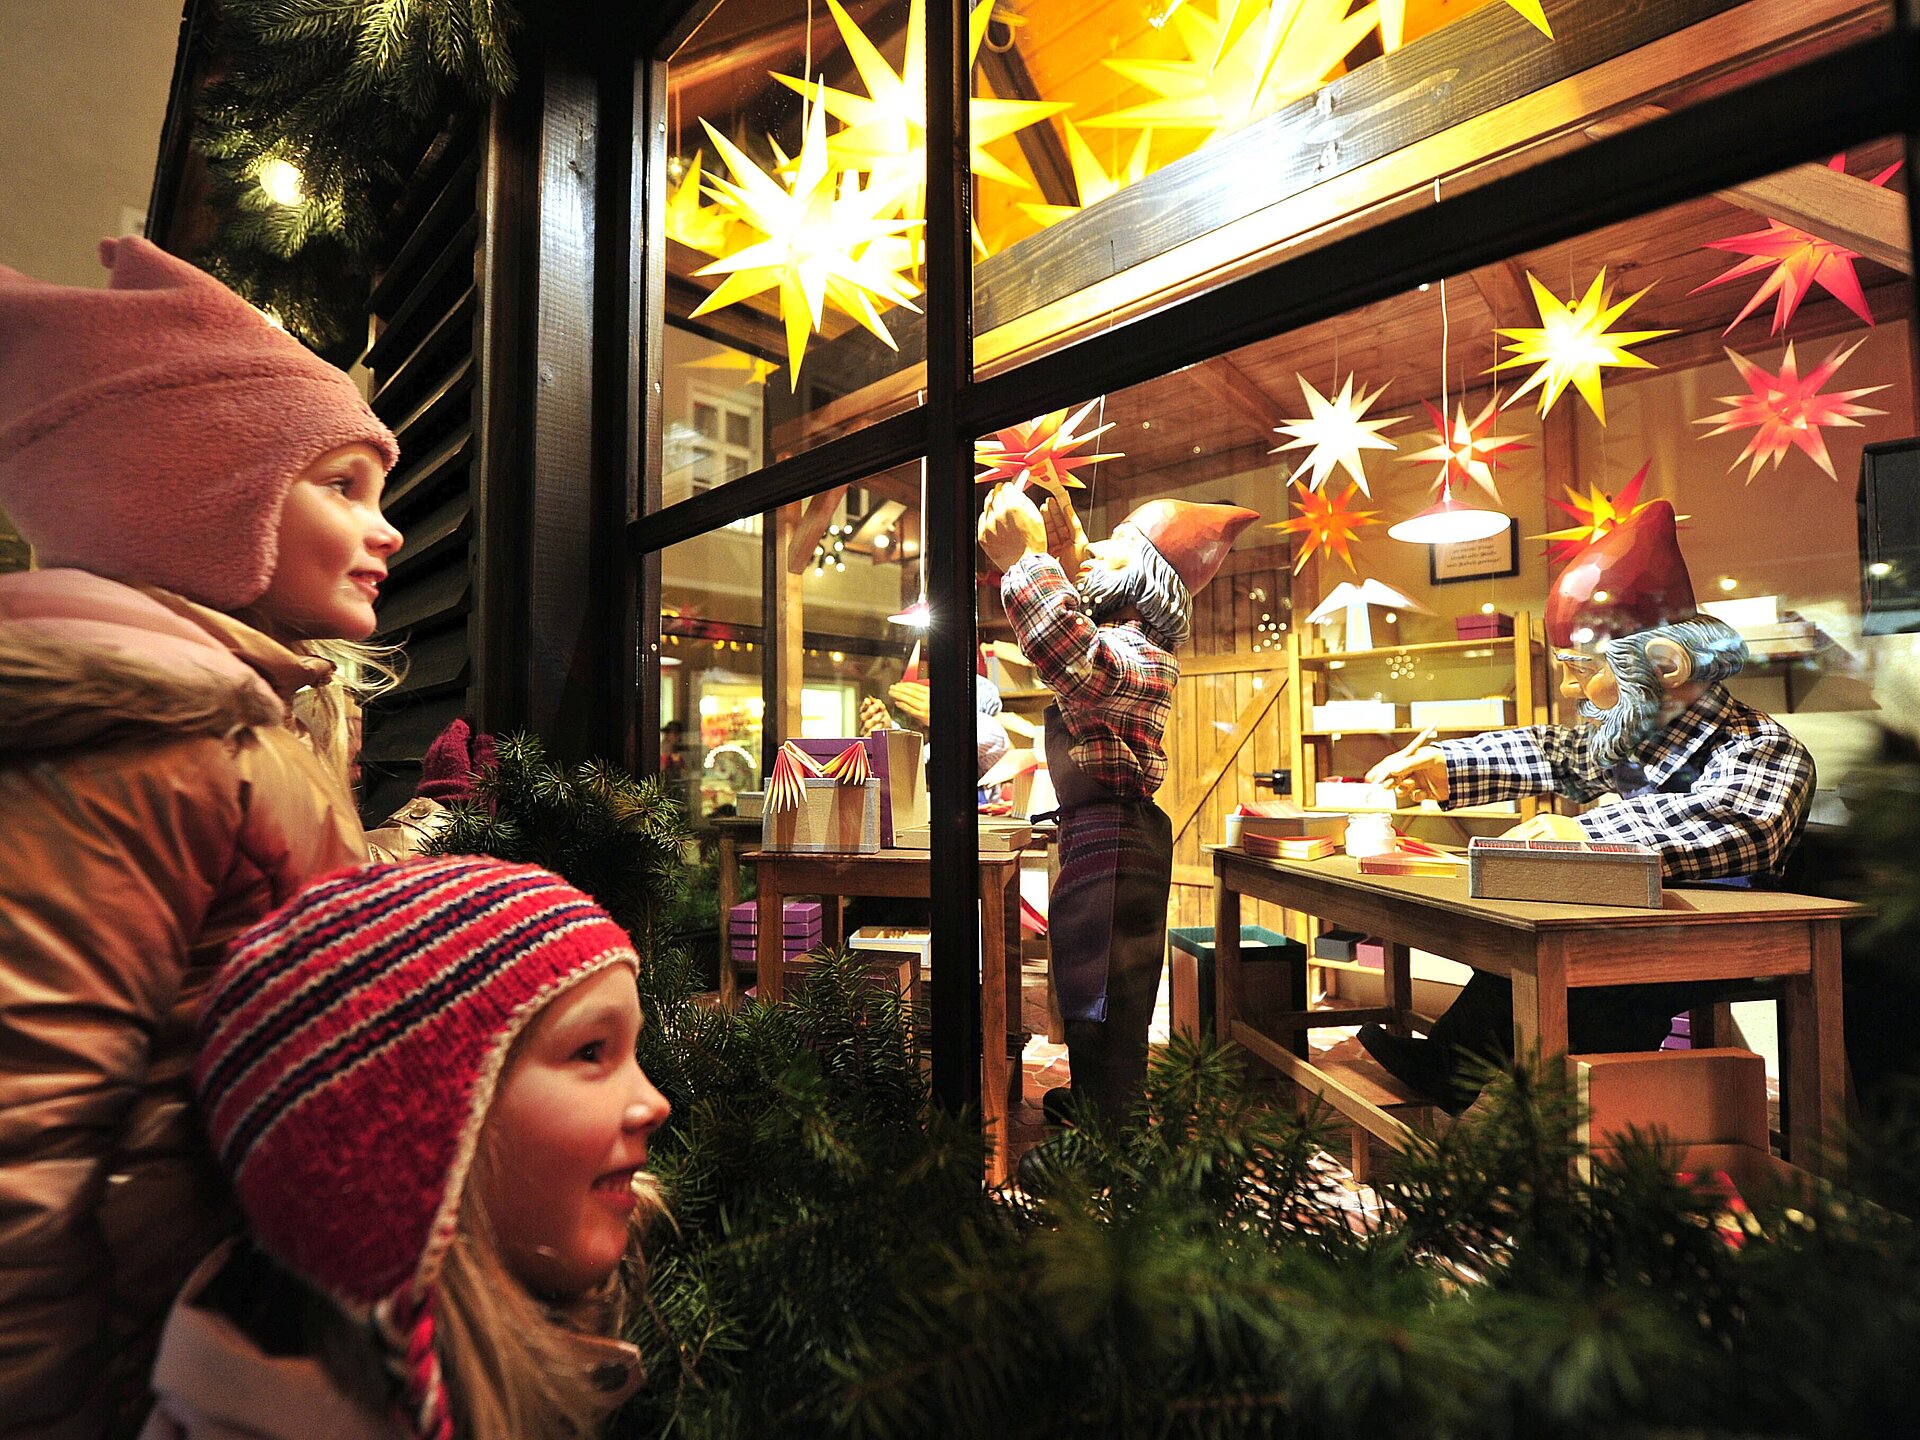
833	1265
347	92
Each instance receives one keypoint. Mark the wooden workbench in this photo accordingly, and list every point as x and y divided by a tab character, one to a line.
1545	950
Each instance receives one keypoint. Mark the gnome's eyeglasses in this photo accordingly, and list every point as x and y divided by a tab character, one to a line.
1579	665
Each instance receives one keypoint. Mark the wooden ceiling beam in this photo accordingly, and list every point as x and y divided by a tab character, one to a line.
1230	385
1868	219
811	527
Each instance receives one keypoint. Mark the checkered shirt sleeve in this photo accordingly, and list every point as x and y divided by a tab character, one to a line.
1114	685
1515	764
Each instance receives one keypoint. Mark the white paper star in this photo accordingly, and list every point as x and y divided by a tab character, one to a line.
1336	432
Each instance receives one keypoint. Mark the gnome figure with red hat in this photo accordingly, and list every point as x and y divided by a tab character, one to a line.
1719	789
1100	622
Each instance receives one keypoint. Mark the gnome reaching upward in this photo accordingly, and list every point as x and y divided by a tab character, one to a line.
1100	622
1719	789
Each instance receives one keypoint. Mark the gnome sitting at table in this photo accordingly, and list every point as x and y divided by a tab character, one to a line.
1100	623
1719	789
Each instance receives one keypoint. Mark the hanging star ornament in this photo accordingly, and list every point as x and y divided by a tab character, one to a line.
1393	21
885	131
1040	452
752	369
1572	343
1785	410
1281	51
1329	524
1597	513
1335	432
1798	261
1091	181
1466	450
817	241
702	227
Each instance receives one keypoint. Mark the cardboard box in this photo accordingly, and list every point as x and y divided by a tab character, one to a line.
832	819
750	804
1482	627
1338	944
1308	825
1690	1097
1271	966
1356	715
888	971
1564	872
998	836
797	917
894	757
1490	713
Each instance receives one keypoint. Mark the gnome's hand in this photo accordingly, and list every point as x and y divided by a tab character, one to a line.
873	716
911	697
1010	528
1066	541
1416	773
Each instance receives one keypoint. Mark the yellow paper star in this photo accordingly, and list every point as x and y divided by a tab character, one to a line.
1571	343
752	369
1284	51
817	241
703	227
1328	524
886	129
1336	432
1091	182
1596	512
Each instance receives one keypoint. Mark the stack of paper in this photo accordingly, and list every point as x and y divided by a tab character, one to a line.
1270	847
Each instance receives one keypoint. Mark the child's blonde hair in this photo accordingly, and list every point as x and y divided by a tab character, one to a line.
330	714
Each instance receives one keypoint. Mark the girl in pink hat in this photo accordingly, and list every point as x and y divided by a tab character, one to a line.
202	496
421	1082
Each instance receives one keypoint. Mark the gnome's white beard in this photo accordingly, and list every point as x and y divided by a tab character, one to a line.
1635	716
1151	586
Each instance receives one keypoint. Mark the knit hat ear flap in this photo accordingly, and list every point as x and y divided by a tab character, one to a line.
407	1328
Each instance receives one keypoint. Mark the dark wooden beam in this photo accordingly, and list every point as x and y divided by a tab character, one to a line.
1243	399
806	532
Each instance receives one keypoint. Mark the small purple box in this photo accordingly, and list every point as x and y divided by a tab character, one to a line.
798	918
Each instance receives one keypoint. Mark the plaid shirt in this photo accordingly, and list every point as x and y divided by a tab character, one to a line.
1115	686
1740	785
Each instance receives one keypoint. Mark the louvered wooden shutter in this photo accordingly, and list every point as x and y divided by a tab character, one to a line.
426	307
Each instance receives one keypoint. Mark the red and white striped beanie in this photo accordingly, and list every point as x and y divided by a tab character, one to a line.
349	1052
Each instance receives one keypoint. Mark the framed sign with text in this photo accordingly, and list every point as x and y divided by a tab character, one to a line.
1491	557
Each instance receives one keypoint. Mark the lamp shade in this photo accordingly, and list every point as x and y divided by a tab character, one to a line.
1447	521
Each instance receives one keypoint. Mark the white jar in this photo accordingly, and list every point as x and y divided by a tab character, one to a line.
1369	834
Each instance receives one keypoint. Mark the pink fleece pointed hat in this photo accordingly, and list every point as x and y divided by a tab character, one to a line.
149	431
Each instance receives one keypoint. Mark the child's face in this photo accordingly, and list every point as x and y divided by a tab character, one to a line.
568	1131
334	546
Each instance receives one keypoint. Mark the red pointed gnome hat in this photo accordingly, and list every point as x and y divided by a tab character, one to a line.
1631	579
1191	537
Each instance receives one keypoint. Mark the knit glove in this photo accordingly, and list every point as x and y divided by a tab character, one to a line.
448	767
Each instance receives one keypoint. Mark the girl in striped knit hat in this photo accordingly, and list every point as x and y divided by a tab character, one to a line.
421	1082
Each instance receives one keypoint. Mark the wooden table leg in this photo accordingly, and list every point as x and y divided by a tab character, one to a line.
769	944
727	857
1399	985
1815	1060
1227	993
993	1023
1016	997
1540	1006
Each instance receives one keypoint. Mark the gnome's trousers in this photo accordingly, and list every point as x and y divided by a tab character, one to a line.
1108	925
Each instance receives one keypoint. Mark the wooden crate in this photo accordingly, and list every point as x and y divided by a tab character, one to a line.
1564	872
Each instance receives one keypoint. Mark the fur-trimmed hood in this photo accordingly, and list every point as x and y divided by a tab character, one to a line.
86	661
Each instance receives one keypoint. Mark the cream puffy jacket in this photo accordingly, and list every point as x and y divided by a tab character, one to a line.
155	799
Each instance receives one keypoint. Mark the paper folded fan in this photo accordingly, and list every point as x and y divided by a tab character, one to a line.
850	766
791	769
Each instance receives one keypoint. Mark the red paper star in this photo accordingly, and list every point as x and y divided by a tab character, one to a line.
1328	524
1785	410
1597	512
1799	260
1465	450
1040	450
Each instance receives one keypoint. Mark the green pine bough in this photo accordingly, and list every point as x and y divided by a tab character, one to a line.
346	92
833	1265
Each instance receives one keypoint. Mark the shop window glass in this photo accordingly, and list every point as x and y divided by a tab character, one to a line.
713	709
1812	561
793	231
1198	139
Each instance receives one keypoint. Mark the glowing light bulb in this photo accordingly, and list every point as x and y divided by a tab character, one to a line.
281	182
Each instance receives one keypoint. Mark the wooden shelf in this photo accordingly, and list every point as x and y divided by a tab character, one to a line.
1493	645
